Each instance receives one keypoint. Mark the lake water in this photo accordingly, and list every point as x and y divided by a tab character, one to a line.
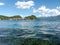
45	30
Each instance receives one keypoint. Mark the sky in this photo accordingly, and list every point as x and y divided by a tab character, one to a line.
39	8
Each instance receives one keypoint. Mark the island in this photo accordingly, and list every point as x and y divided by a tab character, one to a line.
32	17
18	17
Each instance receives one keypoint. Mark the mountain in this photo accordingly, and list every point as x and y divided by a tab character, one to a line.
17	17
32	17
52	18
3	17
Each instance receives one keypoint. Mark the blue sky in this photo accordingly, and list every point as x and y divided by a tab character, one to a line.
29	7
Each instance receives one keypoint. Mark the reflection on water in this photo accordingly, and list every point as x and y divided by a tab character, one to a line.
45	30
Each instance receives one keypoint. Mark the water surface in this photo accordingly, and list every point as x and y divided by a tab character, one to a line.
45	30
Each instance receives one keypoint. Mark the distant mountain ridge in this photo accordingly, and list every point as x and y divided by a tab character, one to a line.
32	17
52	18
17	17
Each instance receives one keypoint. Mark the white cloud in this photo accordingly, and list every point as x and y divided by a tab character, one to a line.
1	3
24	4
58	7
45	12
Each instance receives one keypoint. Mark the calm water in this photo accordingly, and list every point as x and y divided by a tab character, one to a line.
45	30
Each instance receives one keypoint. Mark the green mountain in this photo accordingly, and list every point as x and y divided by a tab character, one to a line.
17	17
10	18
32	17
3	17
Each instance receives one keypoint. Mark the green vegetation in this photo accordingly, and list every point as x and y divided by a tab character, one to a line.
3	17
17	17
32	17
30	41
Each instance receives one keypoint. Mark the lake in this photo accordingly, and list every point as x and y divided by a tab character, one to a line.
45	30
